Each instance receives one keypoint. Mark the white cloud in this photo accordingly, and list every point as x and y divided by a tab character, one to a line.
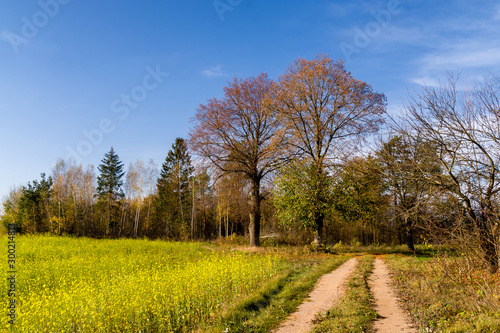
471	58
426	81
468	49
213	72
466	56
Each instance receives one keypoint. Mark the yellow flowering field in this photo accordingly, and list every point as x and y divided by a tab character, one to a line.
84	285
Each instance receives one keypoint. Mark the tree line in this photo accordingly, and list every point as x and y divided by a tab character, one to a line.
287	160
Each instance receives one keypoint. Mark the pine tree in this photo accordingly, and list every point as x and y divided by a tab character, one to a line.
109	187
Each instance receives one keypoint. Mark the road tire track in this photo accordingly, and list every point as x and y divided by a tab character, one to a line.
393	318
328	289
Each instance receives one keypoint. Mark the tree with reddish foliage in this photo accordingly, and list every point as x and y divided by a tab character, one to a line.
239	133
322	105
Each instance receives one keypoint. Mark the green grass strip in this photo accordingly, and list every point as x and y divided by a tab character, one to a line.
354	313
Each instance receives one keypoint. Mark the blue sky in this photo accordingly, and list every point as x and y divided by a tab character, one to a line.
77	77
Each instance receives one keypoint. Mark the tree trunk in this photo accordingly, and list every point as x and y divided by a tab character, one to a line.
487	242
409	234
193	209
254	227
318	232
109	218
149	213
486	238
219	209
75	210
137	216
490	253
227	220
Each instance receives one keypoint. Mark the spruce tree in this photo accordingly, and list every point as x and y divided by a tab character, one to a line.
109	182
173	200
109	188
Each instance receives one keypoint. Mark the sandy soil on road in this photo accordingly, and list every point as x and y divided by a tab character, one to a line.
328	289
393	318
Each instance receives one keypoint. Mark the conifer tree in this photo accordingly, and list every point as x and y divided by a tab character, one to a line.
173	200
109	187
109	182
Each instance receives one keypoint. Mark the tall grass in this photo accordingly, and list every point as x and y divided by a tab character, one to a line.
84	285
446	294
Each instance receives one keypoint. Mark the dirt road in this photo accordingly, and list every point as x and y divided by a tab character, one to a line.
329	288
393	318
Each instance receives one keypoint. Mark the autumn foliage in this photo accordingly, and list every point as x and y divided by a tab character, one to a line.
279	155
240	133
260	124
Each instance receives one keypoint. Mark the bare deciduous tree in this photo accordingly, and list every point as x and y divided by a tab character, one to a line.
239	133
464	128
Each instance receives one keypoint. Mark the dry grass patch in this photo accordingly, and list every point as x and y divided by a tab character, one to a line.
447	293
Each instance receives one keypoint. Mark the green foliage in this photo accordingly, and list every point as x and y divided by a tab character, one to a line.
358	192
302	192
110	192
359	200
407	165
33	213
11	208
176	168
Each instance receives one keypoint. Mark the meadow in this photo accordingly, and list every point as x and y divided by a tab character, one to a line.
86	285
66	284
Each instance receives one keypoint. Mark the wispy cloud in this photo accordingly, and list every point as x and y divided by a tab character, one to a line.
213	72
467	56
397	35
497	15
463	45
345	8
475	57
426	81
341	10
433	44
